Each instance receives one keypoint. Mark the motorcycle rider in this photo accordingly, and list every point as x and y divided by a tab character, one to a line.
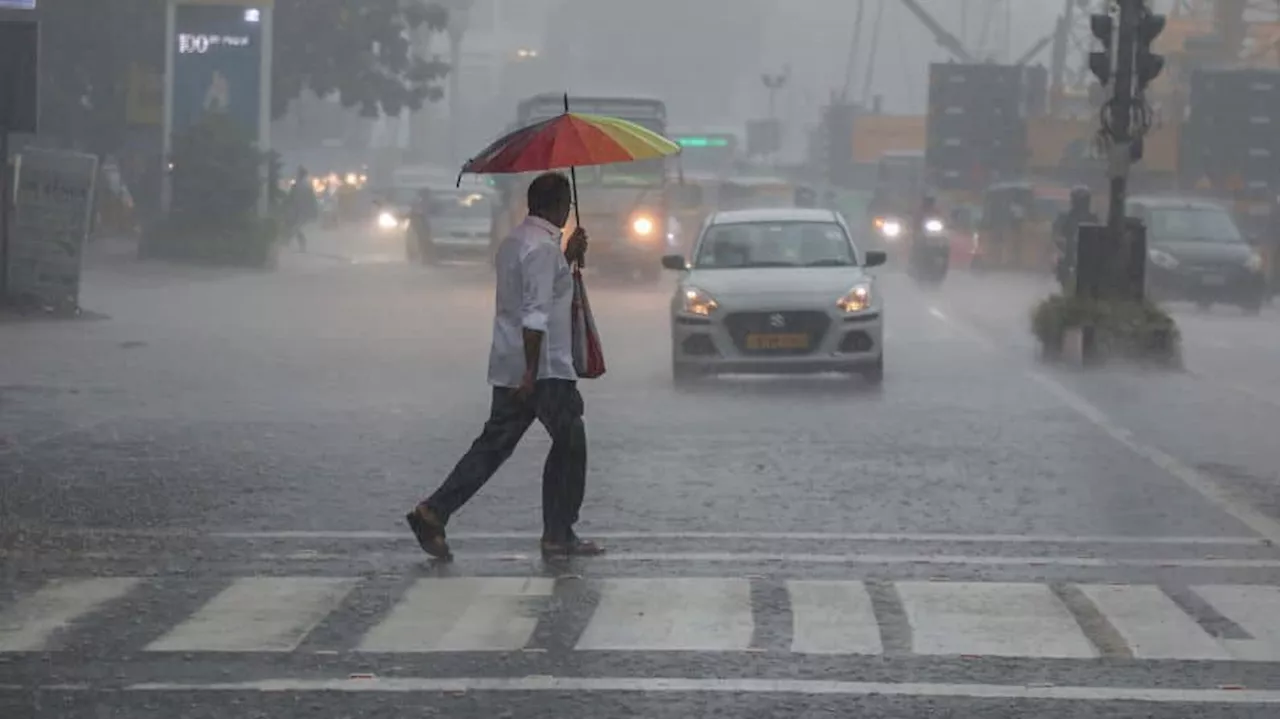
928	247
1065	228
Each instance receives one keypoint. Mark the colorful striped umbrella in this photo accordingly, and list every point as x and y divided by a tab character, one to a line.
567	141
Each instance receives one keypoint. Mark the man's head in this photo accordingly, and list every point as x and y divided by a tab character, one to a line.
551	198
1080	198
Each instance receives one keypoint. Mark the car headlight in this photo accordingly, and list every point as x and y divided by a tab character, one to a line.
643	226
891	229
857	299
1162	259
387	221
697	302
1254	263
934	226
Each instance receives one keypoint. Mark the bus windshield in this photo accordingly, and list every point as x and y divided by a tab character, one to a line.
707	154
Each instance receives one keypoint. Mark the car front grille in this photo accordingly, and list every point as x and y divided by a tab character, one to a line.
788	324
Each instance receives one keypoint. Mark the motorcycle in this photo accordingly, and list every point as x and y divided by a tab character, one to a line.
930	252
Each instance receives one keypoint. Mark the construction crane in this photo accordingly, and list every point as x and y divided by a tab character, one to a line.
946	39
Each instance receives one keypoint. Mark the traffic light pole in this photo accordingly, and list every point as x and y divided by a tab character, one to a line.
1120	115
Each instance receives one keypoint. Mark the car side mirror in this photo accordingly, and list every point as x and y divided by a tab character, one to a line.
875	258
674	262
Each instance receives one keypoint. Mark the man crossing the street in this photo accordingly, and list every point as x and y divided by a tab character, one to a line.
532	374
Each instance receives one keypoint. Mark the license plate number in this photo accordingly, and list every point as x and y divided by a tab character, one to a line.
1213	280
777	342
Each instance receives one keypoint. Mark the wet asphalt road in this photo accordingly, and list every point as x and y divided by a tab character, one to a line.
201	502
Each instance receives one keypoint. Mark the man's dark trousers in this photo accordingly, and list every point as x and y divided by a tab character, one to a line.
557	405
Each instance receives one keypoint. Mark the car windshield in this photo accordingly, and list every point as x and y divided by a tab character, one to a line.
775	244
1192	224
461	205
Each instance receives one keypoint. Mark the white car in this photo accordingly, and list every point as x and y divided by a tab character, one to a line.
774	291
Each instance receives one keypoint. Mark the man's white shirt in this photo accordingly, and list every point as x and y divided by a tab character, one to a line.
534	291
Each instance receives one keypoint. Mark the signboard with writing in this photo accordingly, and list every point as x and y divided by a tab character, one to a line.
54	204
217	64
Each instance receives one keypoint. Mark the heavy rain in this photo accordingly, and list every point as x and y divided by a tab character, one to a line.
602	358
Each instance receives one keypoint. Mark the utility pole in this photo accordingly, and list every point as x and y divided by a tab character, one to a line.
774	83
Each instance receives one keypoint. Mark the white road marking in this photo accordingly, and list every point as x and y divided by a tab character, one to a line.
678	614
28	625
991	618
812	558
832	617
1213	492
1152	624
459	614
1257	610
258	614
902	538
784	536
803	687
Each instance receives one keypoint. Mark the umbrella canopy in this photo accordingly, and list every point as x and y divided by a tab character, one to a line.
570	140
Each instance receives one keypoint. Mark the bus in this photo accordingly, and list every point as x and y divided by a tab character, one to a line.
714	153
625	208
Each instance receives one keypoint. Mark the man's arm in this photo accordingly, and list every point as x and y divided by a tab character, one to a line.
538	269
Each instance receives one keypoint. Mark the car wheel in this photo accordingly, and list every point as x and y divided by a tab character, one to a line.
1253	306
873	373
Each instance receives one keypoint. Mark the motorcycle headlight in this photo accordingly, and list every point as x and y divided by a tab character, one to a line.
891	229
387	221
1254	263
934	226
1162	259
698	302
856	299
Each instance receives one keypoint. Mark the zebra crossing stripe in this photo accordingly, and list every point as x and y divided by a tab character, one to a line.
1152	624
992	619
258	614
827	617
28	625
679	614
1257	610
462	614
832	617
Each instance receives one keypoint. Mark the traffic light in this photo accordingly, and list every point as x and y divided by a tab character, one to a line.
1101	61
1147	65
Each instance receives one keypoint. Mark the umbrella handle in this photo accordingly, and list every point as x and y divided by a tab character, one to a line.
577	217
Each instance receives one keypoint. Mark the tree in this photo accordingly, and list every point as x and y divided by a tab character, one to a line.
359	49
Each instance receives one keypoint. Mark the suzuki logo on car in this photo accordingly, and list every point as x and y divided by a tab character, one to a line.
777	320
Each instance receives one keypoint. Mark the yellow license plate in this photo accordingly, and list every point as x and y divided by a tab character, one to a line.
778	342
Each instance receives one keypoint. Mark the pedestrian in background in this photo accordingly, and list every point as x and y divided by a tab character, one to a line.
302	207
531	370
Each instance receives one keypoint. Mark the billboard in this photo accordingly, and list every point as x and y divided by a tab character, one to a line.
217	64
218	60
53	208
